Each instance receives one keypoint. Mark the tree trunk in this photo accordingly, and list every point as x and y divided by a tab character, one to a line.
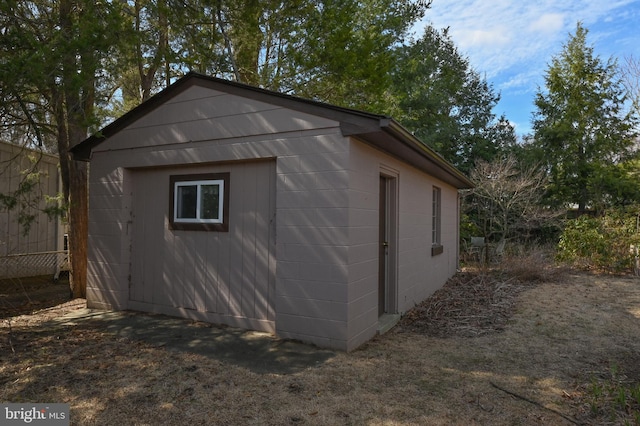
73	110
78	227
248	41
75	190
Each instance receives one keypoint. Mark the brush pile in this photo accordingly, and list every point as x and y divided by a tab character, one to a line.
470	304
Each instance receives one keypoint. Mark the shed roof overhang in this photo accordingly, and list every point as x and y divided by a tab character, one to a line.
394	139
380	131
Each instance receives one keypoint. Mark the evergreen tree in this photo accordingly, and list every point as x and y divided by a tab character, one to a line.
67	65
580	127
339	52
51	54
446	103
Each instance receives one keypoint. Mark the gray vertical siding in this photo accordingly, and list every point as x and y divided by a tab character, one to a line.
44	234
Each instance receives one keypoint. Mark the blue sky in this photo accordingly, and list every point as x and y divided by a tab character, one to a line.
511	42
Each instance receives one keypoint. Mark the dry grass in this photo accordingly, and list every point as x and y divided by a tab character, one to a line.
488	349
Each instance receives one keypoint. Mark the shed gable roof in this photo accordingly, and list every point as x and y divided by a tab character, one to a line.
378	130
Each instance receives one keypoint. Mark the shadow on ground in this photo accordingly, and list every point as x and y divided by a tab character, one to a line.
22	296
258	352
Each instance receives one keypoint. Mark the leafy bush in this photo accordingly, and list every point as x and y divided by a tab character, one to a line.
601	242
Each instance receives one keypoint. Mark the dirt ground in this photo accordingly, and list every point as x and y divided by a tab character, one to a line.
488	349
19	296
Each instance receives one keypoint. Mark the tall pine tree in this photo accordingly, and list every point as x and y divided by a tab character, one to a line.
51	54
437	95
581	127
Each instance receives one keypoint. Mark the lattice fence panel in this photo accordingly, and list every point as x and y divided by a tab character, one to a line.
34	264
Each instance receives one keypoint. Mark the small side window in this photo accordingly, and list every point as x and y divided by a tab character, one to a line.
200	202
436	219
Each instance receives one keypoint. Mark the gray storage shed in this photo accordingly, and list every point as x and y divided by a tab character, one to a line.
227	203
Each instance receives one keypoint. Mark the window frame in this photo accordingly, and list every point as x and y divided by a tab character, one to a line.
436	221
220	224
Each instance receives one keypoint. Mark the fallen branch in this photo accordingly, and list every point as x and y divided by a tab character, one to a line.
524	398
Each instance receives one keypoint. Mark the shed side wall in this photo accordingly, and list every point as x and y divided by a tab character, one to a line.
419	274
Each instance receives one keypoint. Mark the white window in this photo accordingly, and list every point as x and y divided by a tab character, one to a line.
199	201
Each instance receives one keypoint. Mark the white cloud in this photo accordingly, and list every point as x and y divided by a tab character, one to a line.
549	23
484	38
511	42
521	83
500	35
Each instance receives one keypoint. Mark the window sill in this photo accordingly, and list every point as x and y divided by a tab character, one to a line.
437	249
210	227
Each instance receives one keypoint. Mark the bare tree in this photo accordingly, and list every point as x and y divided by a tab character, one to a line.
506	200
630	71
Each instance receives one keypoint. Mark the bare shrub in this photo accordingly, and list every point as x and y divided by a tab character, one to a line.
532	264
506	203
